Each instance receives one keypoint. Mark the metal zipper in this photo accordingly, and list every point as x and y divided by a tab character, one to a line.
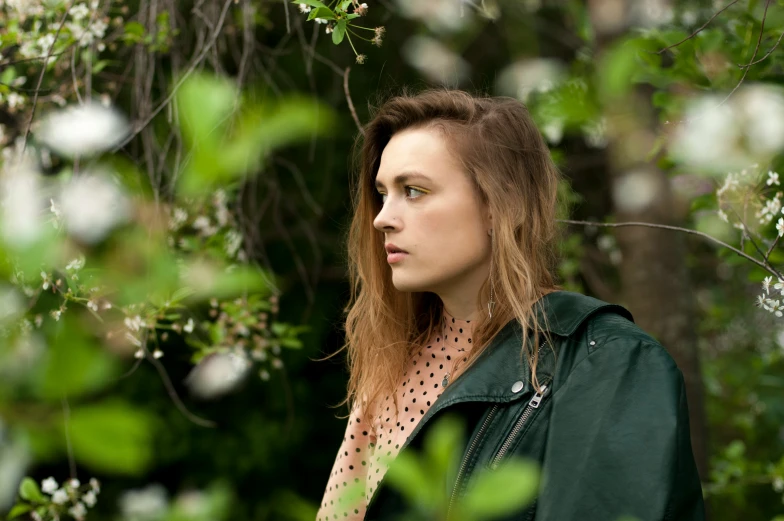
468	455
529	409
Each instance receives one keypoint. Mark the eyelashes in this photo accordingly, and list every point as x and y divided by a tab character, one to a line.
405	188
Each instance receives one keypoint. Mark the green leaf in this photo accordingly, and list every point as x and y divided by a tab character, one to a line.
312	3
205	103
344	5
113	437
339	32
29	491
408	475
75	364
208	279
442	446
292	343
496	493
262	129
617	68
19	509
322	12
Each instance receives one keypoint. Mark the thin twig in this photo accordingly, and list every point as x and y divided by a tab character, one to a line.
188	72
173	393
41	76
351	103
766	54
764	265
692	35
68	445
754	55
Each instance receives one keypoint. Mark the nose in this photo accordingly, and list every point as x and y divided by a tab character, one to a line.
386	219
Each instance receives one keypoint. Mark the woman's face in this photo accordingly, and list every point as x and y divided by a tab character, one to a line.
438	219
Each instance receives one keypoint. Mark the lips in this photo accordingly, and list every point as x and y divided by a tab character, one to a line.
391	248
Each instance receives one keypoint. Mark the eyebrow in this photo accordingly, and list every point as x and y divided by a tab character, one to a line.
405	177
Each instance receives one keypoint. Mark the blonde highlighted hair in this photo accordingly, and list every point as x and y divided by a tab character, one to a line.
502	152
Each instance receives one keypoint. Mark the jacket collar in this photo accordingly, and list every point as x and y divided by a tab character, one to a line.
499	370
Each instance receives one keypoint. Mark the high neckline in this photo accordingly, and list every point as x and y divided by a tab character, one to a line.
458	332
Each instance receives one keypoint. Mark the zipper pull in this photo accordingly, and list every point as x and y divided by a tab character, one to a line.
537	399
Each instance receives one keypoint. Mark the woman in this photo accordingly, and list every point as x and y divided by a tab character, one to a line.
451	257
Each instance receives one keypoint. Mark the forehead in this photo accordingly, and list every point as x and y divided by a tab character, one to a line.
416	151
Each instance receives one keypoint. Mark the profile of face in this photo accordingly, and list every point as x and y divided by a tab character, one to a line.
432	211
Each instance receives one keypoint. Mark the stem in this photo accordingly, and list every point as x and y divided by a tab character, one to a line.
350	42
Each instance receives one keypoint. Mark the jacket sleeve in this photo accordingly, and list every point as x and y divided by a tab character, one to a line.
618	442
350	467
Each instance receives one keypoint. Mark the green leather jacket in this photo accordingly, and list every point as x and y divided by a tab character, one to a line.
610	432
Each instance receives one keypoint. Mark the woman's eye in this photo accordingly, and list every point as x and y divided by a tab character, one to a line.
407	189
414	189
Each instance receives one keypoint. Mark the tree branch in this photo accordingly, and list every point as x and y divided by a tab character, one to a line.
764	265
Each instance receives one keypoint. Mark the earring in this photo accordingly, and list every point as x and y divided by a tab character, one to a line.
491	304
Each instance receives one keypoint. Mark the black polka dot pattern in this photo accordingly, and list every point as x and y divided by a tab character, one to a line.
357	460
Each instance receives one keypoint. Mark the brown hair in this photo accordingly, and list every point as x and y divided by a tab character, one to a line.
503	153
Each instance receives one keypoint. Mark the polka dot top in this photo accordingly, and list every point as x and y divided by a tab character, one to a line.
359	459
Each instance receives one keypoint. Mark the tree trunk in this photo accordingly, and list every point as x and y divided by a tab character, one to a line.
654	277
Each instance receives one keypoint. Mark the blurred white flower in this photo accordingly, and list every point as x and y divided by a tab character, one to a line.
773	178
217	374
761	108
635	190
193	504
80	130
141	504
89	498
188	327
304	8
76	264
22	201
95	485
522	78
78	511
553	130
79	12
435	61
15	458
718	135
59	497
11	303
439	15
49	485
778	484
92	204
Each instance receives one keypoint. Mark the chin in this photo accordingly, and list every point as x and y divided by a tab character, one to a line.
407	284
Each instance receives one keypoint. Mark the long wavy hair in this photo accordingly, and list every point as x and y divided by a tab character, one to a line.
503	153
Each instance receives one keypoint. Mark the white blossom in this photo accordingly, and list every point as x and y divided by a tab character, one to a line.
778	484
78	511
304	8
89	498
79	12
188	327
95	485
60	496
133	323
773	178
49	485
79	130
218	373
21	201
157	354
93	203
76	264
766	283
144	503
